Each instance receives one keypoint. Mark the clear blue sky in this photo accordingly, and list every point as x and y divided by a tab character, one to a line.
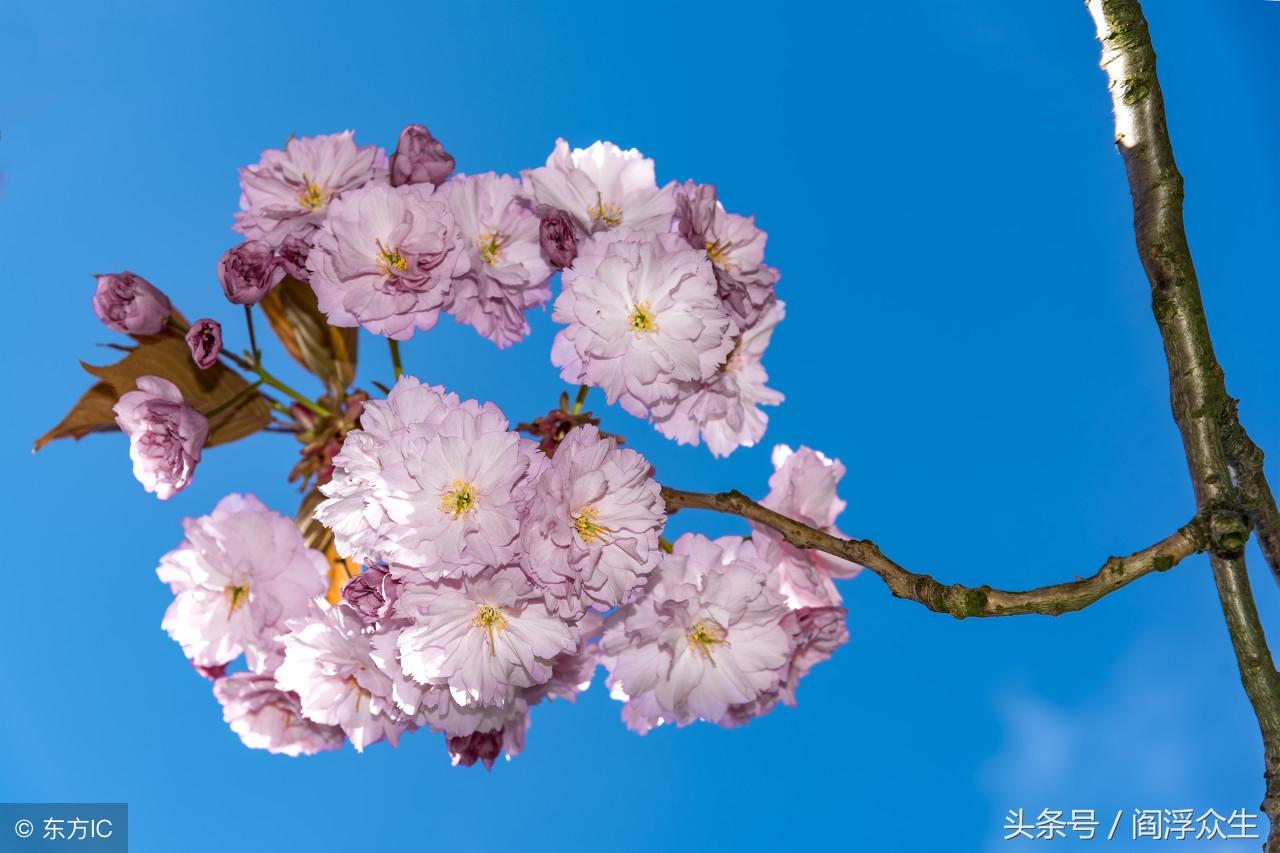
968	330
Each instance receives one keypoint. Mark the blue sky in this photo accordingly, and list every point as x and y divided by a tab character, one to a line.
968	329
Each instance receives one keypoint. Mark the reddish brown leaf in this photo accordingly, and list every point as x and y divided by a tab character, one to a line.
326	351
166	355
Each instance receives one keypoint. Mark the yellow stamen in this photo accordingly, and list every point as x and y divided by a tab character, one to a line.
704	637
459	500
491	244
606	213
491	619
312	196
389	259
719	253
588	528
237	595
643	319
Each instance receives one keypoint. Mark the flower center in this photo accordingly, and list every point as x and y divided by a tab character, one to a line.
459	500
605	213
361	693
237	596
643	319
584	521
490	618
389	259
704	636
312	196
719	253
491	244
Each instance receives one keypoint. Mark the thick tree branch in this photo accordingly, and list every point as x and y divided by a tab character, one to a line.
1197	388
1251	480
958	600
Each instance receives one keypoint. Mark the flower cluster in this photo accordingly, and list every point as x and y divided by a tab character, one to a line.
667	303
482	572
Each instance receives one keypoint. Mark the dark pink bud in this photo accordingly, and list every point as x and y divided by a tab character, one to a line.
205	339
372	594
213	673
248	272
478	746
558	238
128	303
419	158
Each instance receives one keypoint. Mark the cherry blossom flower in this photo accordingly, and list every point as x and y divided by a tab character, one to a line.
241	572
590	535
641	316
482	637
725	410
430	483
126	302
558	235
706	635
736	249
289	192
165	435
329	664
803	487
504	273
372	594
816	633
603	188
266	717
384	258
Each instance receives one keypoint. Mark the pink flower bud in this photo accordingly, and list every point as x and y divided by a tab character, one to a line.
165	435
556	234
205	339
419	158
128	303
248	272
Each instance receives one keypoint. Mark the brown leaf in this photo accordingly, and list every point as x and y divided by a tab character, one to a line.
166	355
91	414
326	351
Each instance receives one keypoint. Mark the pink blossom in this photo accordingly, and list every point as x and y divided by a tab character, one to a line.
486	746
165	435
803	487
241	572
266	717
707	634
641	315
816	633
503	274
482	637
126	302
289	192
384	258
372	594
590	535
430	483
603	187
725	410
736	249
329	664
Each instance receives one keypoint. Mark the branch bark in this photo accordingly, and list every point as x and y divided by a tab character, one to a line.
1197	387
1251	480
956	599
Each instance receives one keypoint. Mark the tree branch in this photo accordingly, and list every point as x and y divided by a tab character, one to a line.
1196	384
958	600
1251	481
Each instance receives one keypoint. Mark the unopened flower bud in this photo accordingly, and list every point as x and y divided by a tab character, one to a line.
205	340
248	272
292	256
419	158
128	303
556	234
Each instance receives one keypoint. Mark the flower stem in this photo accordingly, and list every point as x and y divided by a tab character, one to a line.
253	339
396	365
581	400
235	400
